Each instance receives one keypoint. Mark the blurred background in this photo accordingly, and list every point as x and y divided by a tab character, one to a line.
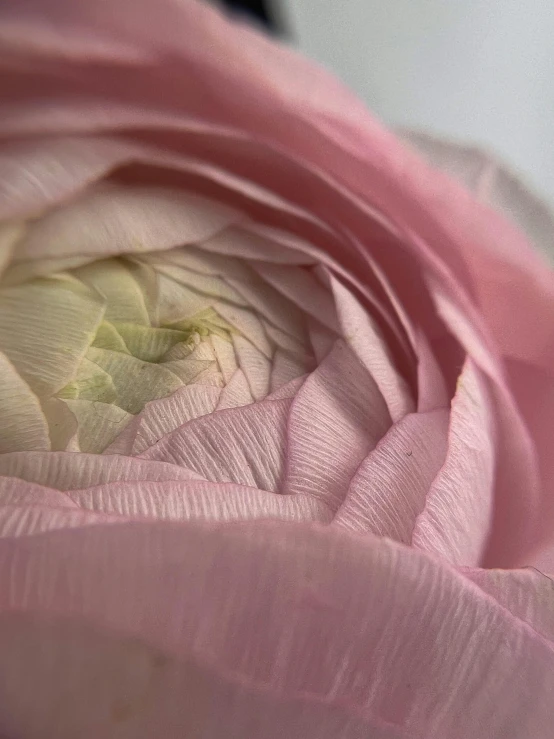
474	71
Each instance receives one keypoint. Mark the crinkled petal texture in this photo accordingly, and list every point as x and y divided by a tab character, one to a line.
273	394
264	630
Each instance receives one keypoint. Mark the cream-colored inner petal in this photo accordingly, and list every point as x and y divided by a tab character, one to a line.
88	347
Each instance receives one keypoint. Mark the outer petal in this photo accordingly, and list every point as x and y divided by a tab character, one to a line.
271	94
283	630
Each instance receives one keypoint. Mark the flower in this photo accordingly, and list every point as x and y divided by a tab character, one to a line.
276	402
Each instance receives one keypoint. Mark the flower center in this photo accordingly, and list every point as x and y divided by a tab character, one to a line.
97	342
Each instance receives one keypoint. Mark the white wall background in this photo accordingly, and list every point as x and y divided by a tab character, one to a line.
474	70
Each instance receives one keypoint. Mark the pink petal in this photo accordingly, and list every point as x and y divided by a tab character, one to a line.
255	366
515	524
336	418
390	487
16	492
225	354
35	173
288	367
311	117
289	390
243	445
528	594
366	340
67	470
248	324
134	219
321	339
236	392
160	417
535	389
299	286
252	241
29	520
206	501
457	515
431	385
280	629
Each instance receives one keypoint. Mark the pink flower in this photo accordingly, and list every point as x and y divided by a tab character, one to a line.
276	402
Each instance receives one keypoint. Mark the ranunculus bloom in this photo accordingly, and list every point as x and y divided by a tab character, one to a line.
276	402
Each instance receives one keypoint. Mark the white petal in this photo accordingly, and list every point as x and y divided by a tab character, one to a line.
125	220
125	300
146	343
300	286
90	383
255	365
287	367
135	381
211	286
225	354
62	424
236	392
98	423
177	302
247	324
46	328
10	233
159	417
22	422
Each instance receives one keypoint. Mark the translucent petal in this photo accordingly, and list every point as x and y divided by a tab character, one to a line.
135	381
108	338
209	285
225	354
128	220
22	422
90	383
111	278
10	233
177	302
98	423
148	344
248	325
236	392
255	365
62	425
46	327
